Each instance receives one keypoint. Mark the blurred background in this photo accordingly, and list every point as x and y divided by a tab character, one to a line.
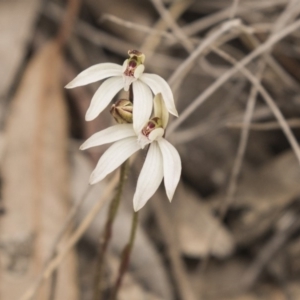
232	231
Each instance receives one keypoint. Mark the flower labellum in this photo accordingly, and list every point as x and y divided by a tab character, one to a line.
152	131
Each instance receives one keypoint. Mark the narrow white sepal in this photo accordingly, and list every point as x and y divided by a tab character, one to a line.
150	177
142	107
103	96
171	166
95	73
109	135
113	157
159	85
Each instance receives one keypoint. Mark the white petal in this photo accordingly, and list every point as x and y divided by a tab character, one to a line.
109	135
150	177
160	110
113	157
127	81
125	65
95	73
142	105
159	85
172	166
108	89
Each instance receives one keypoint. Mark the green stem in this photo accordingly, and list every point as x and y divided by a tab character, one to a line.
125	257
113	209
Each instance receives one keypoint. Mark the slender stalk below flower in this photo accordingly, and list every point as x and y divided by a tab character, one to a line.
113	209
125	257
130	96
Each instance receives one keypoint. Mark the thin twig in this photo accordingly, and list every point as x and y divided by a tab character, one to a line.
215	120
246	30
288	15
290	224
181	72
151	42
125	257
239	66
105	40
72	240
237	165
165	14
183	286
62	38
248	34
191	133
293	123
135	26
68	21
68	222
65	227
185	67
105	239
214	18
232	186
185	41
233	9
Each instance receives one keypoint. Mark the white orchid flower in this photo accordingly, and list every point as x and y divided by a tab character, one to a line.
162	161
132	72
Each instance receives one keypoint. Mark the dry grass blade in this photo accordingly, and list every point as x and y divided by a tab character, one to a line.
36	178
234	9
232	186
152	41
178	269
288	225
221	80
71	241
185	67
167	17
134	26
293	123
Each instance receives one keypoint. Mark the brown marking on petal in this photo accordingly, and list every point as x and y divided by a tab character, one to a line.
152	124
132	64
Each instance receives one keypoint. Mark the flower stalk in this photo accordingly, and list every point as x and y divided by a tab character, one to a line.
112	212
125	257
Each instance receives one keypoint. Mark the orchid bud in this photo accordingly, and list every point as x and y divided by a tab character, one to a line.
122	111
